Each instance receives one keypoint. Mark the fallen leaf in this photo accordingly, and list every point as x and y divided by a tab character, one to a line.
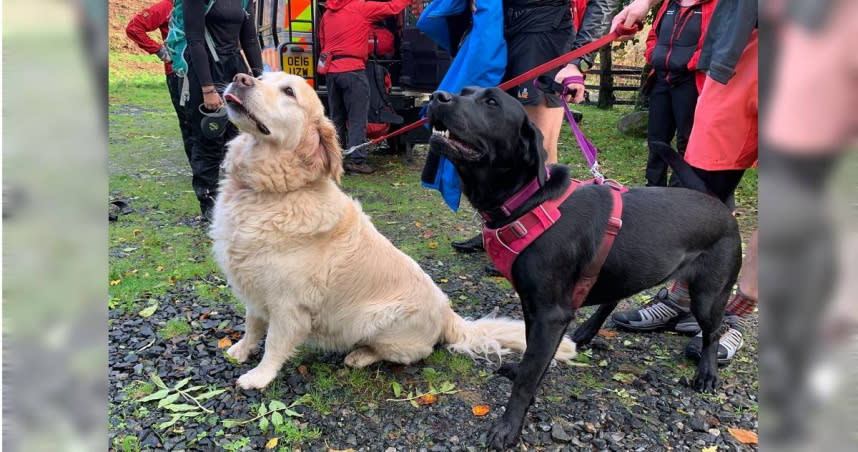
623	377
418	224
147	312
480	410
236	335
608	334
427	399
744	436
272	443
204	316
341	450
428	234
445	280
710	449
224	342
171	280
302	369
159	268
433	245
115	282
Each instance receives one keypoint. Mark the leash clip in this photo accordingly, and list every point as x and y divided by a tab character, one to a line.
594	170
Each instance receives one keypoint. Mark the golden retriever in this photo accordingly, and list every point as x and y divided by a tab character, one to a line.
307	262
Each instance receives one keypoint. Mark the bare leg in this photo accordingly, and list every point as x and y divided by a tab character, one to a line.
748	280
549	121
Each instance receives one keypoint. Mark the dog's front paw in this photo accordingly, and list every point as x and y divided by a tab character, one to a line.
503	434
508	370
241	350
705	380
256	379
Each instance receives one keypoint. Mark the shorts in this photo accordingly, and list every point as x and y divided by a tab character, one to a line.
530	49
724	135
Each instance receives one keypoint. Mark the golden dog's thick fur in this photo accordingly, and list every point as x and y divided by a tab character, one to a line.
308	263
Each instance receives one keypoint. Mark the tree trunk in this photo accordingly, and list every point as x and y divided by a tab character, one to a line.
642	100
606	79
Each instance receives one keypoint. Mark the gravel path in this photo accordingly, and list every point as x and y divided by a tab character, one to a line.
633	393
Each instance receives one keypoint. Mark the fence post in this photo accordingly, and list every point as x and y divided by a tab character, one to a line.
606	79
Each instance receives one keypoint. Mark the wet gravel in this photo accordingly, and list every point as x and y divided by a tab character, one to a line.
633	393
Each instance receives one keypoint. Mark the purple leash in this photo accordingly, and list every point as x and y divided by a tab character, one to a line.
587	148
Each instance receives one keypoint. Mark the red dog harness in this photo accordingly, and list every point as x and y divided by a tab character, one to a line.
505	243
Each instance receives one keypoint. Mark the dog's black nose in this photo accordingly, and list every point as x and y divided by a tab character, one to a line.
441	96
243	79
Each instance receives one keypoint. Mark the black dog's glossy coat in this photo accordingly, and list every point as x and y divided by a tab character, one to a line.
666	233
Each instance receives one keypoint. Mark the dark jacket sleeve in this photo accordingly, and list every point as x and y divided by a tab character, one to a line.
150	19
250	40
726	38
595	24
195	32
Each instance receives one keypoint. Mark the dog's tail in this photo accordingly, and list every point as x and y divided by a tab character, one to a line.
492	336
683	170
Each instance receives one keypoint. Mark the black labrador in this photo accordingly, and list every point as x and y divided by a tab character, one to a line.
666	233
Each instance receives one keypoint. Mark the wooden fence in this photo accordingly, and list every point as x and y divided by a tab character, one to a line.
618	84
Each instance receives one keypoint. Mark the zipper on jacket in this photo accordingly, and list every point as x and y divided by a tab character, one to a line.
674	35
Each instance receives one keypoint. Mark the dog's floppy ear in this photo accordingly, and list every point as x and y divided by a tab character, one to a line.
534	153
328	150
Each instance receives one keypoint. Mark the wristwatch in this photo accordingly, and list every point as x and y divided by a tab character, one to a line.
582	64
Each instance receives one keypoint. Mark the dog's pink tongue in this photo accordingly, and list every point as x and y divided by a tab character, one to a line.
232	97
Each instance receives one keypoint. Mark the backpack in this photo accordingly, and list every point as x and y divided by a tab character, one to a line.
380	108
177	42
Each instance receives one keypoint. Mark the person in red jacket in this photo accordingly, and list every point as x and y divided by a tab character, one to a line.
673	48
157	17
343	36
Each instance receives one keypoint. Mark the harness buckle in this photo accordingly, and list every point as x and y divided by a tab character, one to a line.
614	226
518	229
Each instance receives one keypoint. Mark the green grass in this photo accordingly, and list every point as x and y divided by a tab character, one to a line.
294	434
175	328
127	443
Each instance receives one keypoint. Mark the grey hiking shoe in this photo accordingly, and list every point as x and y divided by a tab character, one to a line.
729	342
659	313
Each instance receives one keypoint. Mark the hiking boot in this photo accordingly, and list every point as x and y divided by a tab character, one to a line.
207	204
729	342
471	245
659	313
491	270
358	168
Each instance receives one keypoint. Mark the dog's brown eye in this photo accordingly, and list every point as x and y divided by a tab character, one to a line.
289	91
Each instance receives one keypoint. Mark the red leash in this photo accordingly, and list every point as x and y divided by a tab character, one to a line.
538	70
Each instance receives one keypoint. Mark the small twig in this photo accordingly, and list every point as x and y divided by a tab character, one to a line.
408	399
189	397
147	345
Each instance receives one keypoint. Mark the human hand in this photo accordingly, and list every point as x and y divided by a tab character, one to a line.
633	14
164	54
575	90
211	99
